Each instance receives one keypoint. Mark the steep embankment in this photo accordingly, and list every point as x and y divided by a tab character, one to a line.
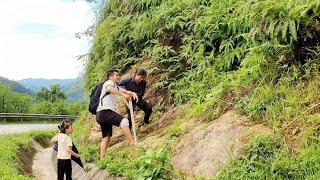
258	58
210	146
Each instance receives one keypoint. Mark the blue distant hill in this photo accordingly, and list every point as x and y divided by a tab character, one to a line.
16	86
73	88
37	83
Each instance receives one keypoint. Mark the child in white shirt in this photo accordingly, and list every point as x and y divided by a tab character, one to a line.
64	151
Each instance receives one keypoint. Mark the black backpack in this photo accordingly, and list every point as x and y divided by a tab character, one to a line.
95	98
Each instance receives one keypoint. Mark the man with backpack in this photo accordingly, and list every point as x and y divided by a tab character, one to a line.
106	114
138	84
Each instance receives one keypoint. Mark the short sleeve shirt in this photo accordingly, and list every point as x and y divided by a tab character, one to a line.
64	141
110	101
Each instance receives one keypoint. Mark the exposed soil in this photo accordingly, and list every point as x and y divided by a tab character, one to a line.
207	148
42	166
25	159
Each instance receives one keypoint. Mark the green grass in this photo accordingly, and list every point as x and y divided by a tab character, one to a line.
268	158
10	167
81	132
133	163
260	57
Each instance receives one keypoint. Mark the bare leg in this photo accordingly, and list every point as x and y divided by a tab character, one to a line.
126	131
104	145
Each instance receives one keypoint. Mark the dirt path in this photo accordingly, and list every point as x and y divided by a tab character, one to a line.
7	129
42	166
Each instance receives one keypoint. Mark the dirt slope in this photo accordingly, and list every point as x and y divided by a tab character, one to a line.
204	150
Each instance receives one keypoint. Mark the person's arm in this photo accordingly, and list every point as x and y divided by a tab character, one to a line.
69	150
116	91
54	139
142	90
122	92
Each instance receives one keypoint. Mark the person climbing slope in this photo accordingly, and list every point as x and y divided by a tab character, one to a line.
106	114
138	84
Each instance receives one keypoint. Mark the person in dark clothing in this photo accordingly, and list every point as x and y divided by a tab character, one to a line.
138	84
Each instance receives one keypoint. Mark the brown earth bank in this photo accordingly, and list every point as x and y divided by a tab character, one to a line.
208	147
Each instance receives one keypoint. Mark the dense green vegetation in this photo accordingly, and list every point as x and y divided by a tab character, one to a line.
47	101
133	163
12	101
268	160
260	57
10	145
73	88
54	101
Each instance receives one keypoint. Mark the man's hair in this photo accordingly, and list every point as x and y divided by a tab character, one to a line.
141	72
111	72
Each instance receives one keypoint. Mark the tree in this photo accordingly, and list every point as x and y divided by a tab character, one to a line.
53	94
12	102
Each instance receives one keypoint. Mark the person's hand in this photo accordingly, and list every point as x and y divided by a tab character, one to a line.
77	155
134	96
126	96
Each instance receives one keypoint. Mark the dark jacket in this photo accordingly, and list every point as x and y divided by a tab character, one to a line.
131	85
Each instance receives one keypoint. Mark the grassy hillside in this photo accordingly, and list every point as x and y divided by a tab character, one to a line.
15	86
259	57
14	150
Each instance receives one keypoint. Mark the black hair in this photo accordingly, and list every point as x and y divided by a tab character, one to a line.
63	126
111	72
141	72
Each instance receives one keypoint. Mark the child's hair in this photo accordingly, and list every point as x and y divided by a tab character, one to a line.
63	126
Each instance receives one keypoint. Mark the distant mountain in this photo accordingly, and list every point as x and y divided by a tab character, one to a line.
16	86
74	90
36	84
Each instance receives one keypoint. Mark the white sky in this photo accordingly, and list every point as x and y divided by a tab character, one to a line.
37	38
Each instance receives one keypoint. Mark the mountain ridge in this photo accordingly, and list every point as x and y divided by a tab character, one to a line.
16	86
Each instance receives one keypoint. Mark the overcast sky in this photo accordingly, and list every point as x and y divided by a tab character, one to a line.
37	38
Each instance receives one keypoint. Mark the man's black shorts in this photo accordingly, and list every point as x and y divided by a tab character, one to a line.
107	118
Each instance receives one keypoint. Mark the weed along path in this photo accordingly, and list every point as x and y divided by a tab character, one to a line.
7	129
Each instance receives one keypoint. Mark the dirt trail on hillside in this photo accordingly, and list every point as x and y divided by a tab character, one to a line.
42	166
45	163
208	147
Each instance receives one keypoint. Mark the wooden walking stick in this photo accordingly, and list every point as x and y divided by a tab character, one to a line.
133	122
129	105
